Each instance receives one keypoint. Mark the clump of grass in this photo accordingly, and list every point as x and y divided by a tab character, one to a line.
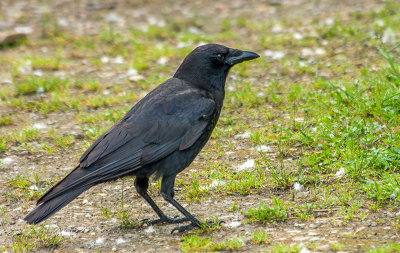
265	214
126	220
194	243
195	191
34	238
26	187
46	63
39	84
393	247
259	236
282	248
6	120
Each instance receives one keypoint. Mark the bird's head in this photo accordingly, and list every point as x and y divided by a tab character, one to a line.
207	66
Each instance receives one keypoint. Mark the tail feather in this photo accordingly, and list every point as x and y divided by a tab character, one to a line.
78	181
48	208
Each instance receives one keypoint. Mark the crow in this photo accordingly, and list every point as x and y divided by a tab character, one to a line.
160	136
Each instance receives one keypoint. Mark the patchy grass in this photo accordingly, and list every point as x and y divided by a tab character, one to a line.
34	238
263	213
193	243
320	111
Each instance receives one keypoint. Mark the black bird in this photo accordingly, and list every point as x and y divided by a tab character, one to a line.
160	135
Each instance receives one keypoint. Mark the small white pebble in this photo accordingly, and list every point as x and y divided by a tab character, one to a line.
380	22
247	165
162	61
39	126
277	29
62	22
7	160
306	52
113	17
274	55
23	29
182	44
264	148
234	224
320	51
65	233
33	187
193	30
340	172
297	36
38	73
118	60
51	226
105	59
149	230
244	135
99	240
388	36
133	75
231	88
120	240
304	250
298	187
329	21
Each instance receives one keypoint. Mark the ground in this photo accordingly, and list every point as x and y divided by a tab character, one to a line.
305	156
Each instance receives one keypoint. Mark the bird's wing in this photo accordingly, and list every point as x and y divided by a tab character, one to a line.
162	125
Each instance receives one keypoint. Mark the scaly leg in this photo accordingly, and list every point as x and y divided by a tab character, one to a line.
141	185
167	191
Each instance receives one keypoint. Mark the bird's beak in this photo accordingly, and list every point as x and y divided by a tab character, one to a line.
240	56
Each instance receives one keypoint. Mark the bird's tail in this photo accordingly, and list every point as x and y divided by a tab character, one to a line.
58	196
48	208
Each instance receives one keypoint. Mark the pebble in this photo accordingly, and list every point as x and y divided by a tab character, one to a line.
305	250
274	55
133	75
298	187
39	126
298	36
388	36
162	61
340	172
23	29
245	135
120	240
149	230
264	148
65	233
246	165
233	224
99	241
118	60
7	160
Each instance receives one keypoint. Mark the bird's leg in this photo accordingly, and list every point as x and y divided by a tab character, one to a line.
141	185
167	191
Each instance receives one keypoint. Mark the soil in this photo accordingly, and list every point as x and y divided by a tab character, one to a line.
82	224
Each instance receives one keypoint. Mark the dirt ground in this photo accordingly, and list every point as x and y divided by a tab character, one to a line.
82	225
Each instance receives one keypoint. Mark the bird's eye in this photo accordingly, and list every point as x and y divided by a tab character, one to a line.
220	57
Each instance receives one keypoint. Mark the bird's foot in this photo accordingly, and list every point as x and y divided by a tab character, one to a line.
205	225
168	220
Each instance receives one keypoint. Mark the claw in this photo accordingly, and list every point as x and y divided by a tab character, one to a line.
181	229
